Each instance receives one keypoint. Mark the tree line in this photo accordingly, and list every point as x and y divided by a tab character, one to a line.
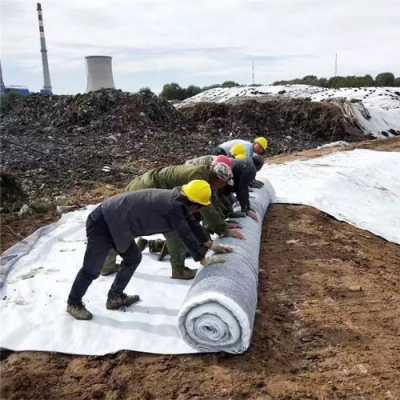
382	79
172	91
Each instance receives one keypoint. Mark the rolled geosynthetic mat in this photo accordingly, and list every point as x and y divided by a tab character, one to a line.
219	309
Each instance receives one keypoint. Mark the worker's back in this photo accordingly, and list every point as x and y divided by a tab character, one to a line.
227	146
178	175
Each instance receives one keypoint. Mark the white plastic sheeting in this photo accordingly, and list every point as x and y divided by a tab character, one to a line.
361	187
377	109
218	312
38	275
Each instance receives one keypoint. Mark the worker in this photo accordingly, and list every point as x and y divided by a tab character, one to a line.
209	160
238	151
218	175
244	172
118	220
259	146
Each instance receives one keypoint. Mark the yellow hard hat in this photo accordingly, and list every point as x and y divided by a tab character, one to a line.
262	141
238	149
240	156
198	191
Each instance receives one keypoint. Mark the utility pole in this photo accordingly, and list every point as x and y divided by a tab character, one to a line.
336	65
252	73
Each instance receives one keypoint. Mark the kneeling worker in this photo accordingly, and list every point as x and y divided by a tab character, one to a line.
118	220
259	146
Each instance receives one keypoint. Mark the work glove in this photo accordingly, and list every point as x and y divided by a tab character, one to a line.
235	233
253	215
206	261
220	248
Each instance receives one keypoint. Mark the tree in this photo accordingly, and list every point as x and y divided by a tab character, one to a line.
384	79
397	81
229	84
310	80
172	91
214	86
192	90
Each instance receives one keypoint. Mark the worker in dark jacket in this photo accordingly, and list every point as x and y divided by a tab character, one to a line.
244	172
118	220
217	175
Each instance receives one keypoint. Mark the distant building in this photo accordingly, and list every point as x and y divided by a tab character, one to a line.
22	91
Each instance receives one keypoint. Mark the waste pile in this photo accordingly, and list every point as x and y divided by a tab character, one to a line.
56	144
290	124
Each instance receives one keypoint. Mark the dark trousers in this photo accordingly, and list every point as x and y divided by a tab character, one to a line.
99	244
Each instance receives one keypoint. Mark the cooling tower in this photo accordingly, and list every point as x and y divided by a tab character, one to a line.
99	73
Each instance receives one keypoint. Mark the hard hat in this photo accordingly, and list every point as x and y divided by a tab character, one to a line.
238	149
198	191
224	159
223	172
240	157
262	141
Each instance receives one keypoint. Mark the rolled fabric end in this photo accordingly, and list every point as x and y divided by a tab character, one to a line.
214	322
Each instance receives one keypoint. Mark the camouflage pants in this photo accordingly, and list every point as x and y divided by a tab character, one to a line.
176	249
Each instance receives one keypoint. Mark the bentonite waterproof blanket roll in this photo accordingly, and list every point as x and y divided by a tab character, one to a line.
218	311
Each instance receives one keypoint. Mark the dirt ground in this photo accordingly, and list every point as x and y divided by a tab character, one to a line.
327	327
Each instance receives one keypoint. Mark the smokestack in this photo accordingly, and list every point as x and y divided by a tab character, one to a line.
99	73
2	87
46	73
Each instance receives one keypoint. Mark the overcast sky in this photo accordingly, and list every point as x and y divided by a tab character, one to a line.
199	42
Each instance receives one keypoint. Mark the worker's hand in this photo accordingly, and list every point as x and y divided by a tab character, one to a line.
221	249
259	184
206	261
253	215
238	214
256	184
233	225
235	233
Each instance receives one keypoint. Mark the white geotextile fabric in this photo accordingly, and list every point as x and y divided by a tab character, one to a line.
361	187
37	273
218	312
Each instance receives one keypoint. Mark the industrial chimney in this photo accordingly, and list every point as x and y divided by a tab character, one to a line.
2	87
46	73
99	73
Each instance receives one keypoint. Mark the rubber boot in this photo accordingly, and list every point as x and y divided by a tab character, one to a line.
142	243
163	252
156	245
110	265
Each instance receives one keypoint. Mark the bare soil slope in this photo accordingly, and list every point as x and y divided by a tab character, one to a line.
327	327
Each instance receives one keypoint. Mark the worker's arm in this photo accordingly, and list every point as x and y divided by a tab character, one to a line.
214	220
184	225
247	175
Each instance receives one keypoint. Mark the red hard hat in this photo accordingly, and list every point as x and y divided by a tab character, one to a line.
225	160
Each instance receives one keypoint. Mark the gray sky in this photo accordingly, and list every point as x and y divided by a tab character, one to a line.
199	42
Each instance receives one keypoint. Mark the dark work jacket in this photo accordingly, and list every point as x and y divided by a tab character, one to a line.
150	211
244	172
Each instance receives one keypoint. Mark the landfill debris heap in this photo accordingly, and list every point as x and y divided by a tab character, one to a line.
55	144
